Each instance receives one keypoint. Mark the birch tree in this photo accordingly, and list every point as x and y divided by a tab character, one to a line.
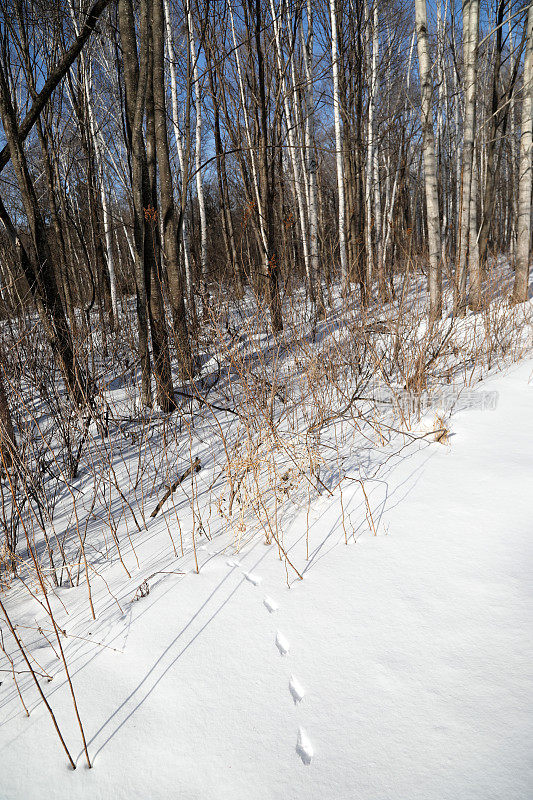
520	289
338	144
430	163
311	160
470	44
198	141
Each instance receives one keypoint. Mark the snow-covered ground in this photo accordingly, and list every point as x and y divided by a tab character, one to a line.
400	667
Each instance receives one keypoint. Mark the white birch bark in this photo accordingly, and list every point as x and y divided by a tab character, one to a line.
470	41
458	153
375	157
179	142
310	153
389	215
198	145
514	148
520	289
338	144
430	165
441	119
369	158
473	248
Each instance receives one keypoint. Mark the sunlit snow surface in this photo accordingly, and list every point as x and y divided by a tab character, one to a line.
406	668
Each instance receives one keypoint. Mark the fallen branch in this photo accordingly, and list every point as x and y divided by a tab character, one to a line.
195	467
205	402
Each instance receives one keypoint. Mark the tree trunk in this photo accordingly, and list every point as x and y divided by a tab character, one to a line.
184	168
227	223
135	82
152	251
311	159
198	145
520	289
470	43
430	164
338	144
8	442
271	266
168	210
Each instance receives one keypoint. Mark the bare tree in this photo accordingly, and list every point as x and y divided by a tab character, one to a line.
338	143
470	51
430	164
38	268
170	223
524	186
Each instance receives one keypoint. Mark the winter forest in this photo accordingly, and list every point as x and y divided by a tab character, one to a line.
266	368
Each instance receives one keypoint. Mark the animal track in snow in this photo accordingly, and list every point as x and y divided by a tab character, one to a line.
296	689
304	748
282	644
270	604
255	579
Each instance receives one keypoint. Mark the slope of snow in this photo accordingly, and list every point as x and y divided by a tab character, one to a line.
400	667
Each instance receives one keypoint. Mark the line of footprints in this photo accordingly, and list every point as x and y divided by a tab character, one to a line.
304	747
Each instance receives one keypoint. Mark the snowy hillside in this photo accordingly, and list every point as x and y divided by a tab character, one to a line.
399	667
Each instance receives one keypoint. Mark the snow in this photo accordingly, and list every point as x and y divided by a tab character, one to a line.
282	644
406	667
296	689
270	604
